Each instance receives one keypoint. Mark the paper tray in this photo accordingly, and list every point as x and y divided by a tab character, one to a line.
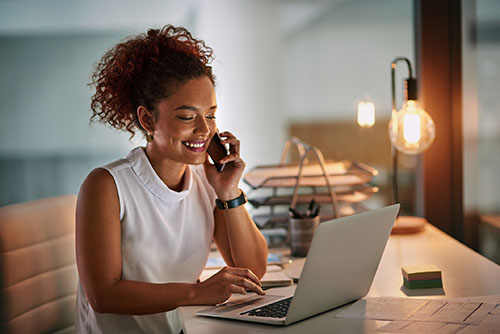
285	176
352	196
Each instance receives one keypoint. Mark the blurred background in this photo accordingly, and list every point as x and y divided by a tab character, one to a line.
279	65
284	68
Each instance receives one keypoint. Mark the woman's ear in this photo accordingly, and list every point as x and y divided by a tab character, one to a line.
146	119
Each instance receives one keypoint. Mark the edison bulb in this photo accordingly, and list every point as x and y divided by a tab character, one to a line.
411	130
366	114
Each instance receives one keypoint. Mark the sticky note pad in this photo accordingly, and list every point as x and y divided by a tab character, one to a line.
422	276
421	272
423	284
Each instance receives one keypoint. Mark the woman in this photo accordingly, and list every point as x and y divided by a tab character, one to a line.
144	224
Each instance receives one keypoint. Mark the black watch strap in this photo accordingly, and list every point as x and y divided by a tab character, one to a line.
234	203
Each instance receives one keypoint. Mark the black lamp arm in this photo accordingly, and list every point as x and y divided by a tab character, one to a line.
410	82
410	94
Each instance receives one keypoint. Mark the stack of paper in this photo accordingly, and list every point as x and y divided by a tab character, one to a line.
419	277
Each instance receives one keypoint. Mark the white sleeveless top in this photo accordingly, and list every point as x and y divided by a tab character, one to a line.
165	237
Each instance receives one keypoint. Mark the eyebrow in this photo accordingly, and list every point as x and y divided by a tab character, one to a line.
192	108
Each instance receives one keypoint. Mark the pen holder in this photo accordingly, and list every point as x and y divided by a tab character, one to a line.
301	234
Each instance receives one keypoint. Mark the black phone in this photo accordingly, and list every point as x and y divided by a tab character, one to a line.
217	151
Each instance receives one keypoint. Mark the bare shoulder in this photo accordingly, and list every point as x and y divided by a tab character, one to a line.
98	183
98	195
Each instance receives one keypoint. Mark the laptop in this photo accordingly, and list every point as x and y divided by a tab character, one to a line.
340	266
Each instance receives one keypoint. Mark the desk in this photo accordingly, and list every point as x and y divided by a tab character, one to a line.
465	273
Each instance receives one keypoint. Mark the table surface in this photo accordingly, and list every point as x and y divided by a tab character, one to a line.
465	273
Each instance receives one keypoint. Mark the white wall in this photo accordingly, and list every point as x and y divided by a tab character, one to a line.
246	39
44	97
343	57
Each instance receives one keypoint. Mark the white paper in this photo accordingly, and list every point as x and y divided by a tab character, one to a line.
436	328
410	315
399	326
384	308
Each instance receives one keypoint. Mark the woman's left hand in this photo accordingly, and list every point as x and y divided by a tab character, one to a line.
226	182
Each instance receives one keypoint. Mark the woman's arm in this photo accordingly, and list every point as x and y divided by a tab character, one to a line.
237	237
239	240
99	260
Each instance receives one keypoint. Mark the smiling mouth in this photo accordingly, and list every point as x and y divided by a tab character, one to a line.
195	145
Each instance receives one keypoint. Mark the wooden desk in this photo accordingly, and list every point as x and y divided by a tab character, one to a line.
465	273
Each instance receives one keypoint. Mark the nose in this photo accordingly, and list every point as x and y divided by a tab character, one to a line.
202	127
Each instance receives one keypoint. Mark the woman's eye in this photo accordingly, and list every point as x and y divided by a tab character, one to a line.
211	117
185	118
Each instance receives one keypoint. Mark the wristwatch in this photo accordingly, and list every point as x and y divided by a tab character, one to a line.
234	203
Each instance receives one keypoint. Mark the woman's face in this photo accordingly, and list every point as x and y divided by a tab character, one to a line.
186	122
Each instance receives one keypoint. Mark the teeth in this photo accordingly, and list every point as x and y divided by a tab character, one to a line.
194	145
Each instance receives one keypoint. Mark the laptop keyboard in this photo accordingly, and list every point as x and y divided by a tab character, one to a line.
277	309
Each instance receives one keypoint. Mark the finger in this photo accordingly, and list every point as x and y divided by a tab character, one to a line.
226	134
245	273
234	143
230	140
234	146
249	285
234	158
238	289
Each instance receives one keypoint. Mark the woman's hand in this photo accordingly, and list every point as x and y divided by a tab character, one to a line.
225	183
219	287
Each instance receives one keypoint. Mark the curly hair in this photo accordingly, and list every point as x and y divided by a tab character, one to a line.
144	69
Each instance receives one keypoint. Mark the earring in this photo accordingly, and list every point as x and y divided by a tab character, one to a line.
149	137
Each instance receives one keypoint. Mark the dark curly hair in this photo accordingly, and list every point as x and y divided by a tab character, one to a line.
144	69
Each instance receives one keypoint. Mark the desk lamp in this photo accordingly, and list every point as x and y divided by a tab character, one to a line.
411	131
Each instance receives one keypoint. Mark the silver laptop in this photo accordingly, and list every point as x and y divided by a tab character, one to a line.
340	266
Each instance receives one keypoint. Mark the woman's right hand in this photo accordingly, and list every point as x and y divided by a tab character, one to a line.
219	287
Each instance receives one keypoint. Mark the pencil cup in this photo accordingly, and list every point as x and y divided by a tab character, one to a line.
301	234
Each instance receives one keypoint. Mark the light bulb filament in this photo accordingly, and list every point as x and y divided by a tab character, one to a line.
411	129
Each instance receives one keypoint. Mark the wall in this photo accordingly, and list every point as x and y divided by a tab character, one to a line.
344	56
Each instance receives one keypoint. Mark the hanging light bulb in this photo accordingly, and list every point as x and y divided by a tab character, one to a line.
411	129
366	114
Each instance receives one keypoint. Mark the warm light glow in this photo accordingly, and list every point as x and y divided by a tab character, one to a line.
393	124
366	114
411	129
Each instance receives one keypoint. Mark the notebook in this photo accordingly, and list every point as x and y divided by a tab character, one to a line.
342	260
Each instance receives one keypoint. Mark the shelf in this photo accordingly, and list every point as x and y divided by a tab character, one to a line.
340	173
348	196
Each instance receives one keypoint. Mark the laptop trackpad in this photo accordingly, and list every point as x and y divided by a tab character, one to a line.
240	305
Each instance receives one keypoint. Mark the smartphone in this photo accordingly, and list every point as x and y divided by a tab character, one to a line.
217	151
